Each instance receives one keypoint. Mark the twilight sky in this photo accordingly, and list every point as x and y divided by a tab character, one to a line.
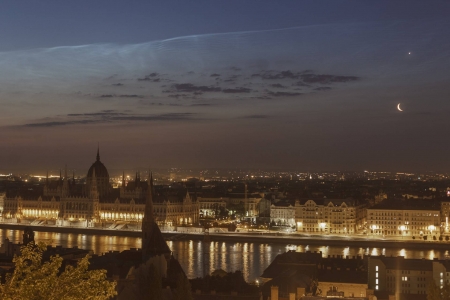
307	85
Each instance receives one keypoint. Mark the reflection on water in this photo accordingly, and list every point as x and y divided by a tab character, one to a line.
198	257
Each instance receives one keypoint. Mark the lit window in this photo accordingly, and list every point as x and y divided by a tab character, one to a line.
376	268
376	281
376	274
376	287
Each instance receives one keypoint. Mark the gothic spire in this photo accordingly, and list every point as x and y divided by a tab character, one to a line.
98	152
65	186
153	242
148	215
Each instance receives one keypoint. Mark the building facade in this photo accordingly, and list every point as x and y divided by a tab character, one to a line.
96	203
406	278
334	216
210	205
282	214
445	215
403	220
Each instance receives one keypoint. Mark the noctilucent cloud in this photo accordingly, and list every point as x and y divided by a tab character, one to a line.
304	86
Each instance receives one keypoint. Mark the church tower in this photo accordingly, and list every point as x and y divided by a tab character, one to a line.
65	187
153	243
94	196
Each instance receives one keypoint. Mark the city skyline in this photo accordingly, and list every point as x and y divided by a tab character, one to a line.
301	89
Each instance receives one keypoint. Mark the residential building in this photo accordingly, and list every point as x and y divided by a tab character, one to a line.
282	214
209	205
445	215
336	216
406	278
407	218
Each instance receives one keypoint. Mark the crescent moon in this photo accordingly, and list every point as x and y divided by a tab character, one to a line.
398	107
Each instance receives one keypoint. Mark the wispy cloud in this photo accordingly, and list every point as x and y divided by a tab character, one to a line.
255	117
111	117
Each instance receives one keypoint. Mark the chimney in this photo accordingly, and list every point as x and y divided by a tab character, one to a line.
300	292
273	292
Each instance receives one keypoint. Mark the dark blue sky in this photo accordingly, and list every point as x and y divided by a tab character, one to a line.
33	24
303	85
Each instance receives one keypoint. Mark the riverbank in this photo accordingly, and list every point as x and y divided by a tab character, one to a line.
258	237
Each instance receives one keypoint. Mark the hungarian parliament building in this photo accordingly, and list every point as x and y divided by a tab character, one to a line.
64	202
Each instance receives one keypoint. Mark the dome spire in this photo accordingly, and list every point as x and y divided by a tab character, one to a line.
98	152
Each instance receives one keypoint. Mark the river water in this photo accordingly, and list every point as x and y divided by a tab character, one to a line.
199	257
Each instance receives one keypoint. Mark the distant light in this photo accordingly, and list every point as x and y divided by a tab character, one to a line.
409	53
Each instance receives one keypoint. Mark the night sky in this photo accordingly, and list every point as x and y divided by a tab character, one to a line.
295	85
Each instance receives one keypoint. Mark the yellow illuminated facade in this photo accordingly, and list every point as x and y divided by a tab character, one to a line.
97	204
328	216
400	222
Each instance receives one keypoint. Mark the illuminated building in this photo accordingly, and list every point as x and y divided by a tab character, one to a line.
335	216
406	278
210	205
97	204
282	213
250	201
445	215
404	218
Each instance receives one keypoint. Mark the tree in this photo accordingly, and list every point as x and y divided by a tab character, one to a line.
183	290
433	292
34	279
446	292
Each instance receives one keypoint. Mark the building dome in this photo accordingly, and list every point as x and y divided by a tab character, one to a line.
100	170
101	176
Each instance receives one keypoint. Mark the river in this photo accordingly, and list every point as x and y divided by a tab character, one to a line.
199	257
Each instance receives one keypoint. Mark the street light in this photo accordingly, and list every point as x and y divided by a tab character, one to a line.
402	228
431	228
373	227
322	226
